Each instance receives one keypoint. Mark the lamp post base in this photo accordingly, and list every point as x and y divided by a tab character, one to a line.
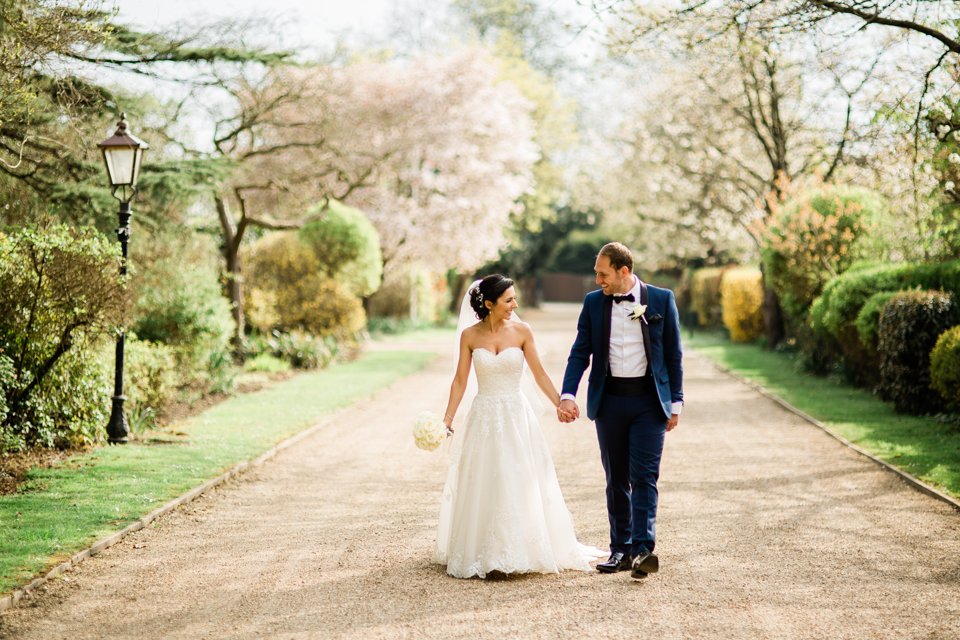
117	428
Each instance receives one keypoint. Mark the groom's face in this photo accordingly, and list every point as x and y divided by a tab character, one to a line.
612	280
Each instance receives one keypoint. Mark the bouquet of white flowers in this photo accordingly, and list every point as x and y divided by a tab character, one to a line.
429	431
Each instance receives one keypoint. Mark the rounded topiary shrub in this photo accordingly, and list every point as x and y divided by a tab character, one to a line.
945	367
741	296
910	324
346	246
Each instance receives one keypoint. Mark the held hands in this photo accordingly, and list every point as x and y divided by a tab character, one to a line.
568	411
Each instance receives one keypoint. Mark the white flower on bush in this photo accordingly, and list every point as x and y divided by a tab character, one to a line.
948	186
954	158
429	431
940	108
943	129
956	135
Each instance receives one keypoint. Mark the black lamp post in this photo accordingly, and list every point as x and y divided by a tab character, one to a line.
122	153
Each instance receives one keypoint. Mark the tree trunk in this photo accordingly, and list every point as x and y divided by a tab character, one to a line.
772	314
235	295
234	278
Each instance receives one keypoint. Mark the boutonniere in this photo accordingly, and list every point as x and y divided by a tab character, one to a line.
636	313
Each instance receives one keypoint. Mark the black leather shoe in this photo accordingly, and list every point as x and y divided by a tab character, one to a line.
618	561
643	564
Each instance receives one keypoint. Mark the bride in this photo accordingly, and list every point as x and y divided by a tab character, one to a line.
502	509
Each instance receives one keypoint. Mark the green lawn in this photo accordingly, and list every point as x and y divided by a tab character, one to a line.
922	446
62	510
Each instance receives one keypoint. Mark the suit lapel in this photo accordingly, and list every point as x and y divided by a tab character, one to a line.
644	327
606	312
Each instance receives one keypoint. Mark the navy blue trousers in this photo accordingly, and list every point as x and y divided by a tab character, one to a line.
631	431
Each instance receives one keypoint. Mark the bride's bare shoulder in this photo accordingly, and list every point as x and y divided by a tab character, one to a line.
521	327
470	333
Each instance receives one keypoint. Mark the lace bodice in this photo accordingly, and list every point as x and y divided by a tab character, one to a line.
498	373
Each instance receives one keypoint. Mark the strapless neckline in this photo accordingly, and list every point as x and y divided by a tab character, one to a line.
496	353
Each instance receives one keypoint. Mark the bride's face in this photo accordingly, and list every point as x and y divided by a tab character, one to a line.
505	305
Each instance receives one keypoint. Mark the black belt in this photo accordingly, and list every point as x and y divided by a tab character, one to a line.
626	386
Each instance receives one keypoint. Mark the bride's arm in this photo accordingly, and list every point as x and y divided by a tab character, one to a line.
459	384
536	367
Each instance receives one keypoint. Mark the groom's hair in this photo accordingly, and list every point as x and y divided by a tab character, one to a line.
618	255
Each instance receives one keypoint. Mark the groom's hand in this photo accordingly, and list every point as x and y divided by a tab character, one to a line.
673	422
568	411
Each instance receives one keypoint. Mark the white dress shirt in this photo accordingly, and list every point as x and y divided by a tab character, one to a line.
627	357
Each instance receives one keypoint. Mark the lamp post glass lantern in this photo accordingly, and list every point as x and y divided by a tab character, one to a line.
122	154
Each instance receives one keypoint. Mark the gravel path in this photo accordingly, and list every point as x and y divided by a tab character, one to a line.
768	529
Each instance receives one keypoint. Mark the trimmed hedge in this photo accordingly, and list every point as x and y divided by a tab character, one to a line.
910	324
741	296
945	367
868	320
834	314
844	296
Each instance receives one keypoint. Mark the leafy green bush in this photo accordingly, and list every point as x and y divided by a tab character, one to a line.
59	290
910	324
288	291
869	317
705	295
8	379
347	248
300	349
945	367
70	407
266	363
814	236
180	303
150	376
741	296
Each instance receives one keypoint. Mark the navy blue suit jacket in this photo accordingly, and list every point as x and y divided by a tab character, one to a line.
661	341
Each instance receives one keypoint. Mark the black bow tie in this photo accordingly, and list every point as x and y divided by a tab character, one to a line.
629	298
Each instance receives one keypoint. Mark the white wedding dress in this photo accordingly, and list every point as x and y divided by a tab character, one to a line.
502	509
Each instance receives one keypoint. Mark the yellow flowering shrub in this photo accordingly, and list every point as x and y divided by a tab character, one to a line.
741	295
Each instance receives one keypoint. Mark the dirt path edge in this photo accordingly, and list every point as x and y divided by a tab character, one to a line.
11	599
911	480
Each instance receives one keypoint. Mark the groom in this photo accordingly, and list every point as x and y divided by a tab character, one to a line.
632	332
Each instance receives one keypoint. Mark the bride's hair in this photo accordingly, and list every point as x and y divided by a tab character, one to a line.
490	288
